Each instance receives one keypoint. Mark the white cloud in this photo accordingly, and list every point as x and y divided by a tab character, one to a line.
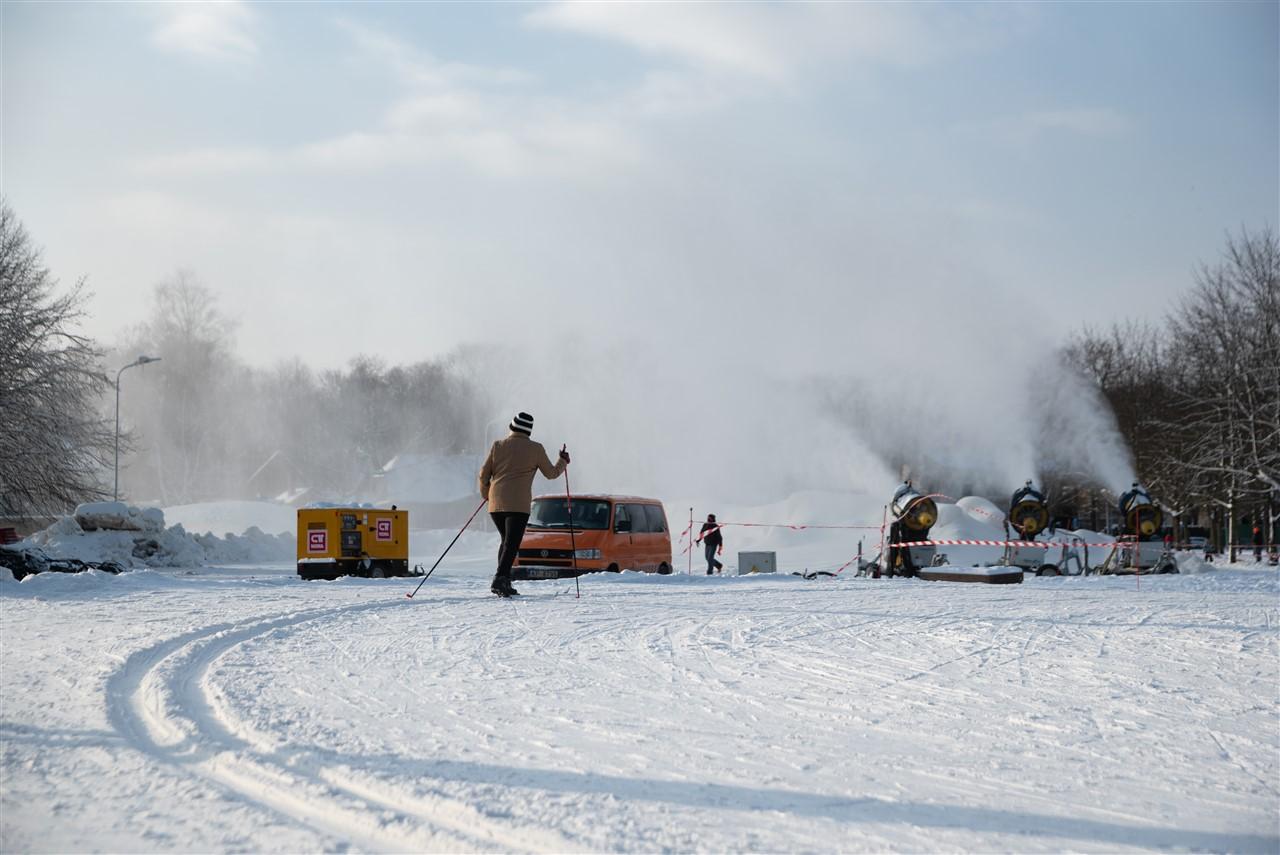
444	113
419	69
220	31
775	42
735	39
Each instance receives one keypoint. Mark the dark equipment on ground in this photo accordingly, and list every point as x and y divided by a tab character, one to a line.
30	561
913	515
1028	517
1144	550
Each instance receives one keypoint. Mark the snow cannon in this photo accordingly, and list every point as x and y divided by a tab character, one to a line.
1141	515
1028	517
913	515
1144	551
1028	512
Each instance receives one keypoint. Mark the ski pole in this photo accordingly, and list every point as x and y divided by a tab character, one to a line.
573	544
447	548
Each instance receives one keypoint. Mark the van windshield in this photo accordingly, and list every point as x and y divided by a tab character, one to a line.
554	513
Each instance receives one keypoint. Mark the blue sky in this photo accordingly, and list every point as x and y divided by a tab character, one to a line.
402	178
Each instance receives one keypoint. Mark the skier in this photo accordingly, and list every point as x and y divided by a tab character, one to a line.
710	535
1257	543
506	482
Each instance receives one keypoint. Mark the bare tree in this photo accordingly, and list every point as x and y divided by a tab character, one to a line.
54	442
1198	399
1228	330
186	407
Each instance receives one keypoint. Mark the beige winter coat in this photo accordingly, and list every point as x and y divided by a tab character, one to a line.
506	479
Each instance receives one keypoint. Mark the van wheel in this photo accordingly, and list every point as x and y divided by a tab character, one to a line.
378	571
664	569
612	568
1048	570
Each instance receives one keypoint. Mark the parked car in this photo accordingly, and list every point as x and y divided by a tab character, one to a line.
1198	538
611	533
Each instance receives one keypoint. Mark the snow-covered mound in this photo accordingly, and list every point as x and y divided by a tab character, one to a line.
970	518
138	537
117	516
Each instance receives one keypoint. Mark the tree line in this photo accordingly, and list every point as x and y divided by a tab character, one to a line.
1197	395
198	424
207	426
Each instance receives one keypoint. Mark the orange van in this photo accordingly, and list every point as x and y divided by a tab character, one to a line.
611	533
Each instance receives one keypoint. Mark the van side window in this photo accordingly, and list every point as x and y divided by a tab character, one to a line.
620	515
639	519
657	519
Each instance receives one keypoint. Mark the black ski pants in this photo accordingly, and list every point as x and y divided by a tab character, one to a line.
712	563
511	527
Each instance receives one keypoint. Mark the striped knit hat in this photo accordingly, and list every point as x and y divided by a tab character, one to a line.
522	423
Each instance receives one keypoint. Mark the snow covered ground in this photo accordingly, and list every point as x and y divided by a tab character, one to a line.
238	708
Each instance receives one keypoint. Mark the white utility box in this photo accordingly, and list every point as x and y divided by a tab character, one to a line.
757	562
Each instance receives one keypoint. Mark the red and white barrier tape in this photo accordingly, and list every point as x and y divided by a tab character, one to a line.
792	526
1034	544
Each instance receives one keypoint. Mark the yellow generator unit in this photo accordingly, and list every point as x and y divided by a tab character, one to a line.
370	542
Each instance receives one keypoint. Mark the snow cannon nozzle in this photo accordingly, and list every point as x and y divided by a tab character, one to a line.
913	509
1142	516
1028	511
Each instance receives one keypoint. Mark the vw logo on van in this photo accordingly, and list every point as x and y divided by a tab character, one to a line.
545	553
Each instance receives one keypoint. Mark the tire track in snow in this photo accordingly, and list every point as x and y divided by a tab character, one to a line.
161	703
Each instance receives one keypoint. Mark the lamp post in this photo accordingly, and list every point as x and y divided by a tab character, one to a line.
141	360
490	424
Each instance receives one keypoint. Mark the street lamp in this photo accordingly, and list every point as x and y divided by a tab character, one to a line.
490	424
141	360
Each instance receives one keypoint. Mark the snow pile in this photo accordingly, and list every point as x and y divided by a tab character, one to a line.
254	545
1191	562
137	537
117	516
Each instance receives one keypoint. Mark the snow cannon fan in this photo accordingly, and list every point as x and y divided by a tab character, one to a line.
914	511
913	515
1141	516
1028	511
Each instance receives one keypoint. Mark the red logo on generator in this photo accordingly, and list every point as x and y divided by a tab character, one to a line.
384	530
318	541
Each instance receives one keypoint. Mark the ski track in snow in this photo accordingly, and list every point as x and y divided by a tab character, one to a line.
162	701
652	714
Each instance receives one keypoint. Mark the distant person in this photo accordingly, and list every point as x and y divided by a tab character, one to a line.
712	542
506	482
1257	543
